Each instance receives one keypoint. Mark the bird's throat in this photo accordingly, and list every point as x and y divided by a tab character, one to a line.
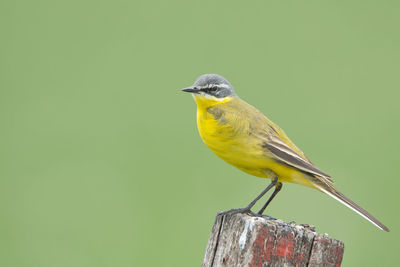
205	101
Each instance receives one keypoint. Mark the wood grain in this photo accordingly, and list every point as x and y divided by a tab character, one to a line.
251	240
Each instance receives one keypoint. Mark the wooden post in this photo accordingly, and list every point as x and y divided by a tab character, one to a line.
251	240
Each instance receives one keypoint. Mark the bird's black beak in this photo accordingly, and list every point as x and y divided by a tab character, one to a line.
191	89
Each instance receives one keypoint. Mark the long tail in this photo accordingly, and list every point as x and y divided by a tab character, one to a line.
331	191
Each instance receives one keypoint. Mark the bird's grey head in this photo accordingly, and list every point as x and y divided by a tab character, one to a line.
211	85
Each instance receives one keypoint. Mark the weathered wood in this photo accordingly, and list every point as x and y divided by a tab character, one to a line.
250	240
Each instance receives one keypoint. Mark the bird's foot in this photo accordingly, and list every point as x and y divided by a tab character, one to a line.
245	210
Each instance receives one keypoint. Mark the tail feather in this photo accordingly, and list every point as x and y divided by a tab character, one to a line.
332	192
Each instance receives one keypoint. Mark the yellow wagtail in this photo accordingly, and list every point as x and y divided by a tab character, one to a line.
242	136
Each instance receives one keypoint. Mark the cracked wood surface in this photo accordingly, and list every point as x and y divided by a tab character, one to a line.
247	240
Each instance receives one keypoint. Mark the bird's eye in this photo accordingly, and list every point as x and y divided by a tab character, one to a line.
210	89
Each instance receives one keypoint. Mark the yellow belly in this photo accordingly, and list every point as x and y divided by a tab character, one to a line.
243	151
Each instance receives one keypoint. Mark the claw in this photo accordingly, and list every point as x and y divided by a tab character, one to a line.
234	211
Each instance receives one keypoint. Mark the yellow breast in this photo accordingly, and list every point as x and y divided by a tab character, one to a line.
230	137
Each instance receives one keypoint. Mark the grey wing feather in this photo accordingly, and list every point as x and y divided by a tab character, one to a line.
290	157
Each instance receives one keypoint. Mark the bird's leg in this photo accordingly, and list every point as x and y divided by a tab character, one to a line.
278	188
273	183
248	207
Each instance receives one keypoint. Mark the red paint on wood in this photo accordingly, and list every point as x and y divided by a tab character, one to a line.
300	258
284	247
339	255
269	246
266	246
259	256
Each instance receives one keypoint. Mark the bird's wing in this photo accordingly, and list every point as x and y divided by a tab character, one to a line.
289	156
273	138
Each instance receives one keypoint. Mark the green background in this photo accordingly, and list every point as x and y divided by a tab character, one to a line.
100	160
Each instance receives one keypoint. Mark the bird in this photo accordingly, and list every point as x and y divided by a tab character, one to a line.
244	137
